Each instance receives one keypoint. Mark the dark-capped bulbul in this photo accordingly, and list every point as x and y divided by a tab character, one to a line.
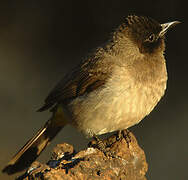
113	89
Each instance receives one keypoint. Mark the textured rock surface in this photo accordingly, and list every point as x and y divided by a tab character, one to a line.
127	161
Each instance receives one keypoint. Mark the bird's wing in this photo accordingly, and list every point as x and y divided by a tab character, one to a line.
86	77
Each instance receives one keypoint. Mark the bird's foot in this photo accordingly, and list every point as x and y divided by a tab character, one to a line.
124	134
105	146
102	147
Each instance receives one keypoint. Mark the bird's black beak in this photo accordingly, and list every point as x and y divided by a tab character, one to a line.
167	26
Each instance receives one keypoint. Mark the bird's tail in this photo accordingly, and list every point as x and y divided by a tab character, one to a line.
32	149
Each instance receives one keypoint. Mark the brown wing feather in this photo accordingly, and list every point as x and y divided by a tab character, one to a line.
84	78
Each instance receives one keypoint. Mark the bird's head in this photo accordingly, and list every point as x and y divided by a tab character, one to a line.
147	33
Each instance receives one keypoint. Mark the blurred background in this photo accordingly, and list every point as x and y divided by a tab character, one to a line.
42	40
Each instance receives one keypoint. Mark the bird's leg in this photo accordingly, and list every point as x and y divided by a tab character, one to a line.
102	147
124	134
100	144
119	135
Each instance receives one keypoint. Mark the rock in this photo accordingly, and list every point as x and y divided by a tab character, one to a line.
123	159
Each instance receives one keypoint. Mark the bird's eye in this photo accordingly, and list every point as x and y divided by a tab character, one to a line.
151	38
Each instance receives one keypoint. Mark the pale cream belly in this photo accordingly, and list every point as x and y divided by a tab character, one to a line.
104	111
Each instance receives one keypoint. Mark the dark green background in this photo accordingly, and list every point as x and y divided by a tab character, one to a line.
42	40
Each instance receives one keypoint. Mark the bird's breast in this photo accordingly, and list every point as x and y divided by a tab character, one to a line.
121	103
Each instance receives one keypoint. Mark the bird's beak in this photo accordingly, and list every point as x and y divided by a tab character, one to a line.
167	26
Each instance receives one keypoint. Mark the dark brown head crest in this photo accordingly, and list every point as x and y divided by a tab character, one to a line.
143	26
145	31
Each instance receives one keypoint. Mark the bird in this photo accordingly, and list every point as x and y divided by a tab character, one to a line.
112	89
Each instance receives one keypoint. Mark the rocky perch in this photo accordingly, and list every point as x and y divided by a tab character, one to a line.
126	160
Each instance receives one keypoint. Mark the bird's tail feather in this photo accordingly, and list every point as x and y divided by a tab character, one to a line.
31	150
